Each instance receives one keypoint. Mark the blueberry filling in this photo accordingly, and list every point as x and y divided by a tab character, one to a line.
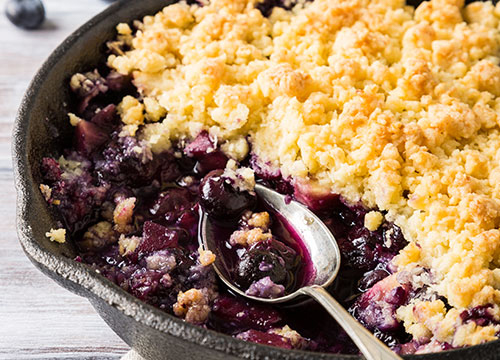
134	218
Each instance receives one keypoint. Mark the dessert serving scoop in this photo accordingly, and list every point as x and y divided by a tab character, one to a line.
325	257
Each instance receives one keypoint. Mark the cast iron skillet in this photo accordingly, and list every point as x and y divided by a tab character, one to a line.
41	129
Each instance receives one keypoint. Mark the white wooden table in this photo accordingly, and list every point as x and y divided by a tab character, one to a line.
39	319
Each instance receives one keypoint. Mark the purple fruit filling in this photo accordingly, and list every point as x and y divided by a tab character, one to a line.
134	217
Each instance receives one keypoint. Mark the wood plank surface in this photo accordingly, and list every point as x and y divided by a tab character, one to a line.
39	319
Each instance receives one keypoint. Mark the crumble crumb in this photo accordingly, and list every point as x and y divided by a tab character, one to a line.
73	119
57	235
192	305
249	237
122	215
46	191
154	111
161	261
123	29
98	236
236	149
295	338
131	111
242	178
127	245
373	220
206	257
259	220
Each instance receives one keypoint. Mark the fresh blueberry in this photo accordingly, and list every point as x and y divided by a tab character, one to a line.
26	14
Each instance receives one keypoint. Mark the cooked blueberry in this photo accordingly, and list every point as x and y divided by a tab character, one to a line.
231	314
87	86
171	203
27	14
270	258
157	237
105	118
211	161
370	278
117	81
127	160
169	169
393	238
200	146
50	169
89	137
248	270
143	283
265	338
481	315
220	200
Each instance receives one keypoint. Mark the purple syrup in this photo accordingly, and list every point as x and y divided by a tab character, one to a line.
286	244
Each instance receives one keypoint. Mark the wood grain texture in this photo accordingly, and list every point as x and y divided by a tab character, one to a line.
39	319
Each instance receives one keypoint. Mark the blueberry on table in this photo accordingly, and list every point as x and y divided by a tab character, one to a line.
26	14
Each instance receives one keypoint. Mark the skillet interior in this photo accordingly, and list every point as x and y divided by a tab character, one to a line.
41	129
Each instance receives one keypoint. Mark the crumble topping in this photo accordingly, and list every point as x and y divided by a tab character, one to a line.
46	191
373	220
192	305
127	245
57	235
241	178
248	237
295	338
73	119
122	215
374	100
260	220
206	257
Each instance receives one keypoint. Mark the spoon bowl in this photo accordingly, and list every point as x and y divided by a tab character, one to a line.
317	239
325	257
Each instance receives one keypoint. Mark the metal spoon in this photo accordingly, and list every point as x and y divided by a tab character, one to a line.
325	256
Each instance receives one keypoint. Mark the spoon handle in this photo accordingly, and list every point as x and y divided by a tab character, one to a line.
371	347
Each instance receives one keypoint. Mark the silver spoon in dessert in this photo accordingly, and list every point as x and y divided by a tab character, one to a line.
325	256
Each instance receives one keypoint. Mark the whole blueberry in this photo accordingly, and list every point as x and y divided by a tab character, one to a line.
250	267
221	200
27	14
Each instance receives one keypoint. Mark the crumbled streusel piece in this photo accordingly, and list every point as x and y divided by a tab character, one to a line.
98	236
206	257
192	305
259	220
131	111
161	261
57	235
73	119
236	149
46	191
122	215
249	237
241	178
127	245
295	338
373	220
